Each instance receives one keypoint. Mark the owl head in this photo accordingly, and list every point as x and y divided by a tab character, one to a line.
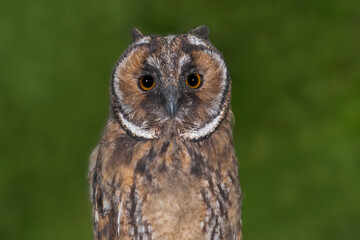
173	85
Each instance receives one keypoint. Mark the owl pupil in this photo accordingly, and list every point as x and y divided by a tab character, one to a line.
148	81
193	80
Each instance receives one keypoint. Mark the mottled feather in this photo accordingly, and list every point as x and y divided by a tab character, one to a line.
160	176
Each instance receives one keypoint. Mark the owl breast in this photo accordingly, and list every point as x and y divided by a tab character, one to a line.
176	211
174	192
163	200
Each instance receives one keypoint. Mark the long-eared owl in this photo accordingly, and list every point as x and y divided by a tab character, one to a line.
165	167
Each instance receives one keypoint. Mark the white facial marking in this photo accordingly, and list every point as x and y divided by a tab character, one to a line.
204	131
136	130
154	62
184	59
196	41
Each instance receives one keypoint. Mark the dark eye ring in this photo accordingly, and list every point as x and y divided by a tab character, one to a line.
193	80
146	82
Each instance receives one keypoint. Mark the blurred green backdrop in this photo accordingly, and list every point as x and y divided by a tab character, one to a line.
295	67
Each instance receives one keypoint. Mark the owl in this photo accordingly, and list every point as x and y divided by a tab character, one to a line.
165	167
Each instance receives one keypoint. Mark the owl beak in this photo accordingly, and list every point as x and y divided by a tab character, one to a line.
171	107
171	94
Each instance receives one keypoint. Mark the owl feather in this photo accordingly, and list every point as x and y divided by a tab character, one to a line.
165	167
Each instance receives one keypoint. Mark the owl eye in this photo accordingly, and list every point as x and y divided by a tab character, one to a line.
146	82
193	80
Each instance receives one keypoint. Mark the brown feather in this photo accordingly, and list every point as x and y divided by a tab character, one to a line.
167	187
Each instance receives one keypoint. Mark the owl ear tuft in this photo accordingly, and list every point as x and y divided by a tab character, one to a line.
136	34
202	31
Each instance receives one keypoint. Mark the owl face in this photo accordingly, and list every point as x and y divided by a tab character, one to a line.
176	85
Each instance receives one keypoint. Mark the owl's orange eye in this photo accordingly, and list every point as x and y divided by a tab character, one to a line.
146	82
193	80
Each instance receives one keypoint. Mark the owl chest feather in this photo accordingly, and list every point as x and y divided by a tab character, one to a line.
162	200
168	189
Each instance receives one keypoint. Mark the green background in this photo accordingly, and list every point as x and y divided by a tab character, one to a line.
295	67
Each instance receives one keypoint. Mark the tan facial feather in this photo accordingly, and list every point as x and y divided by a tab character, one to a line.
212	88
128	73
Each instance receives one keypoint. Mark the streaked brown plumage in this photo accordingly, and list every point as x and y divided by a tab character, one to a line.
163	172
